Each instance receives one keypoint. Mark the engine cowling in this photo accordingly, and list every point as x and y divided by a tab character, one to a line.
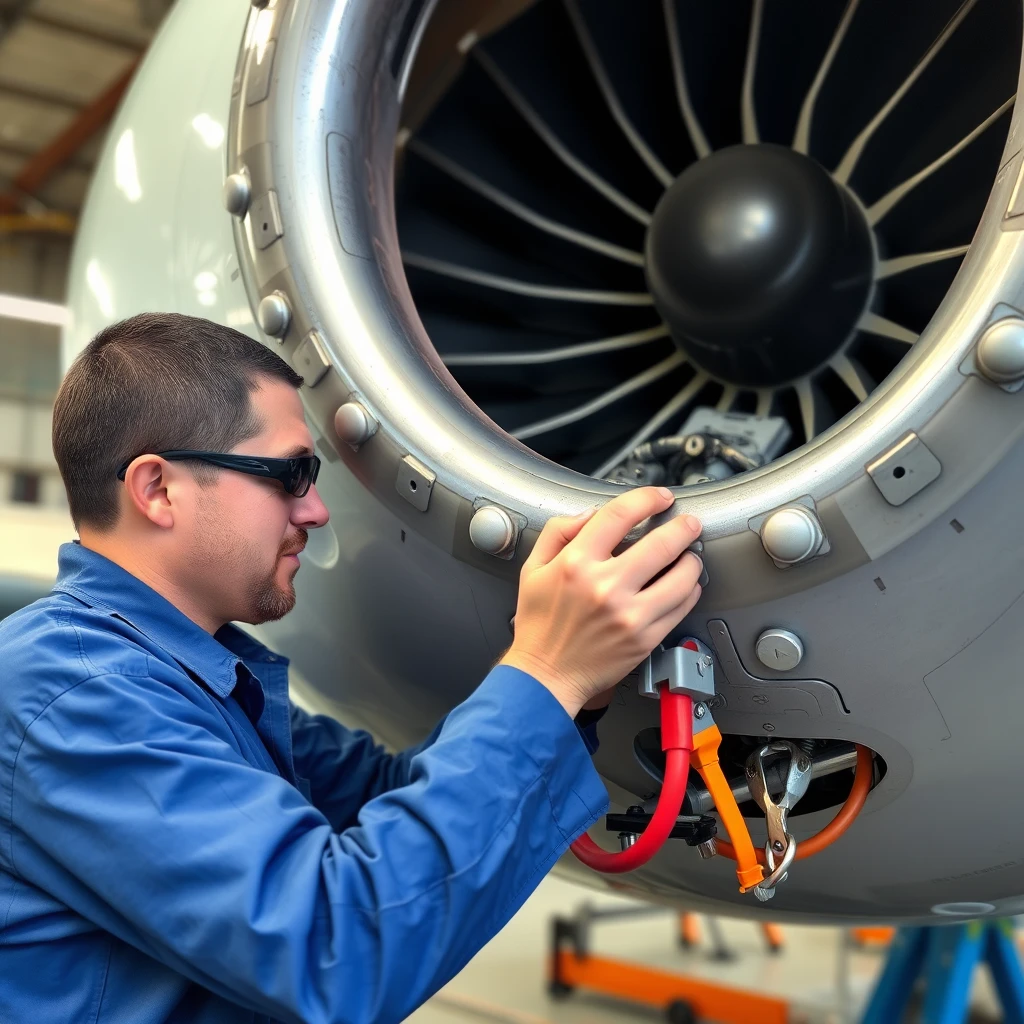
509	244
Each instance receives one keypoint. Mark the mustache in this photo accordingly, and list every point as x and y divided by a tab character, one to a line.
295	544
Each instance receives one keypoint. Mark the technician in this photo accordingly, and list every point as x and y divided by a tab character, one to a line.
178	842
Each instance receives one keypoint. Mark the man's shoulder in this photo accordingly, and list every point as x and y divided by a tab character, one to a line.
54	644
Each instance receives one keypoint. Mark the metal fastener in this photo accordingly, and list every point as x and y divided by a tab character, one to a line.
491	530
708	849
768	727
353	424
779	649
274	315
1000	354
699	710
627	839
237	193
792	535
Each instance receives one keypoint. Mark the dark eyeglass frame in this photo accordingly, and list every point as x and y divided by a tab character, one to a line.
296	475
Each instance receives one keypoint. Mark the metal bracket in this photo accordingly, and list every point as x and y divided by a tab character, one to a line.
681	669
415	482
907	468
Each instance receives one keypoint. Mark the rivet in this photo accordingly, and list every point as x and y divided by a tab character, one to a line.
353	424
274	315
1000	355
491	530
792	535
236	193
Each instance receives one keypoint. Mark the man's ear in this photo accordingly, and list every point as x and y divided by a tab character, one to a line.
146	484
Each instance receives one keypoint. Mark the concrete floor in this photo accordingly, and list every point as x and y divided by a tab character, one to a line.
506	981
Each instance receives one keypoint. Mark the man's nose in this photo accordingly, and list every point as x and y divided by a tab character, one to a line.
310	511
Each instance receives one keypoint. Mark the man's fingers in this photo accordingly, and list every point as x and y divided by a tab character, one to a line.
674	587
657	549
609	526
557	532
663	626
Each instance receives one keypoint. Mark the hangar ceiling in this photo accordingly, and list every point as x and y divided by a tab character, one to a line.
64	65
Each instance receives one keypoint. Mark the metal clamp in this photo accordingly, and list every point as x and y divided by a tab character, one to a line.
681	669
780	849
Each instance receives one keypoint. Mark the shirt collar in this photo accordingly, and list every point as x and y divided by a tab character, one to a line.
100	583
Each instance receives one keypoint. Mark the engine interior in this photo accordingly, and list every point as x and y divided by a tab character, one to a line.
692	226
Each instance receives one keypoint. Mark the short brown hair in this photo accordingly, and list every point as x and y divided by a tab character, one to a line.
153	383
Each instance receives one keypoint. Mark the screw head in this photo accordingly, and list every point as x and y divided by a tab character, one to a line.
236	193
274	315
1000	354
803	764
699	710
778	846
792	535
751	771
768	727
779	649
706	661
353	424
491	530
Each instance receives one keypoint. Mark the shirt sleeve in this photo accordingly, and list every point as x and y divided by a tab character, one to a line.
131	810
345	767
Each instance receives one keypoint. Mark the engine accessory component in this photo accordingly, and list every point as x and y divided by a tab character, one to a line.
780	848
841	822
829	762
695	829
779	649
677	741
792	535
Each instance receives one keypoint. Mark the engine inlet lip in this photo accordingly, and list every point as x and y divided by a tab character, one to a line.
335	87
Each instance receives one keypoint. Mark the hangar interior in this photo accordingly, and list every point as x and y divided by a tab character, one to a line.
527	254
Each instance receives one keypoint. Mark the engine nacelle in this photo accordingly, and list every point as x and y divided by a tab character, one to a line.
524	253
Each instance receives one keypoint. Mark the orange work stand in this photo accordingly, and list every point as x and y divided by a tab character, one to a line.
689	935
685	1000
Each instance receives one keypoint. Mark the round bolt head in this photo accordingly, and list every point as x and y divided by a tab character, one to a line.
768	727
779	649
491	530
237	193
353	424
792	535
699	710
1000	355
274	315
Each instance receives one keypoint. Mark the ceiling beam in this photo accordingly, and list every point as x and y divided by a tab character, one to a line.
83	30
40	168
9	147
153	12
36	95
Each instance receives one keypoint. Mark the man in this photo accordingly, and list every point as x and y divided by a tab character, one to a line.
177	843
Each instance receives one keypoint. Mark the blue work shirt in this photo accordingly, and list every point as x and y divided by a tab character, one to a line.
180	843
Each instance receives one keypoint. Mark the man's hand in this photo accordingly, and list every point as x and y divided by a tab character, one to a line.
586	618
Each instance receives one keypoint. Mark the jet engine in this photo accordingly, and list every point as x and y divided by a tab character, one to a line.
527	254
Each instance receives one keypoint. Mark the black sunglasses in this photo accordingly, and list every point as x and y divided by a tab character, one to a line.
295	475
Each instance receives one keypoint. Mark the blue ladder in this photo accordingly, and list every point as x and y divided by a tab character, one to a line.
947	957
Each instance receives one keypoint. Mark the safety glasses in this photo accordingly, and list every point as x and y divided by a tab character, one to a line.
296	475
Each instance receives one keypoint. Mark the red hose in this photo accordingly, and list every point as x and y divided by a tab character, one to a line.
677	742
